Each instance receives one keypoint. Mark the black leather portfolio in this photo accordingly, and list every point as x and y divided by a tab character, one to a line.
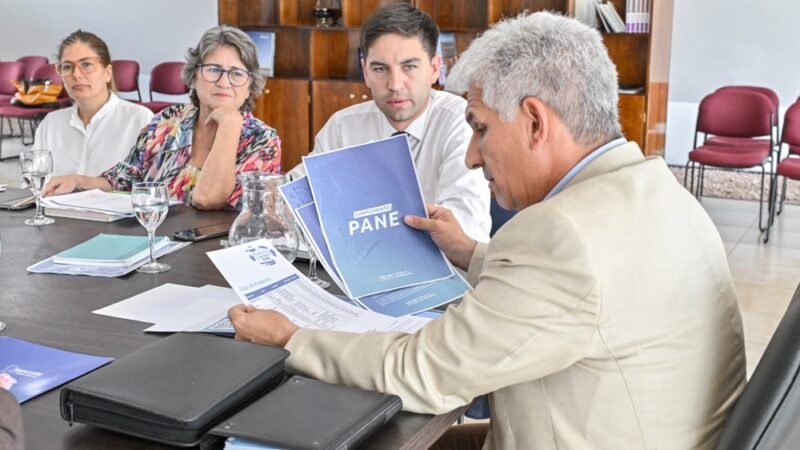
307	414
174	390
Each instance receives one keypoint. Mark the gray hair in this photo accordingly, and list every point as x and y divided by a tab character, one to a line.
558	60
233	37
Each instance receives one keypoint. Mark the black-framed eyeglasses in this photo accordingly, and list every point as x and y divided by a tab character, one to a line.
86	66
213	72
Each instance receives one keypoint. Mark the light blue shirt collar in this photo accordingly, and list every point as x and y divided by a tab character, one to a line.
583	163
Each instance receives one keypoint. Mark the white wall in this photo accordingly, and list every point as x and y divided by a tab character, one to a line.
149	31
723	42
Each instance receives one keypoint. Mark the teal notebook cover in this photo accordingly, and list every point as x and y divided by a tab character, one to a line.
109	247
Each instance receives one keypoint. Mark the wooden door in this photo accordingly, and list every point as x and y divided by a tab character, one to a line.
284	106
329	96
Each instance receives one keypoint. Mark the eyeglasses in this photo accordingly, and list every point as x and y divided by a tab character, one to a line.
86	66
213	72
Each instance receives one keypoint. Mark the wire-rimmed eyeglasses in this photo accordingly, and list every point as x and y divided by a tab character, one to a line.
85	65
213	72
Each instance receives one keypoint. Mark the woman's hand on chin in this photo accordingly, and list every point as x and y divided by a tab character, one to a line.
227	117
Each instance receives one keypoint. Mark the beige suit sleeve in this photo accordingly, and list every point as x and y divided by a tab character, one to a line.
532	313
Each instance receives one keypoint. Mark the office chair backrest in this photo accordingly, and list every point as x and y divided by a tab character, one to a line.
767	415
791	127
769	93
126	76
31	63
165	78
10	70
735	113
49	72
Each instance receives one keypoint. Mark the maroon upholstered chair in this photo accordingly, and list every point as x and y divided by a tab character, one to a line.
9	70
747	118
32	116
166	78
789	167
31	63
126	76
771	95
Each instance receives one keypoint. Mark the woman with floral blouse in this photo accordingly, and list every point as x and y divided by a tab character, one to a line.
198	149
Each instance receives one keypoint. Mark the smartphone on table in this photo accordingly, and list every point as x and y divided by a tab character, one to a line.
203	233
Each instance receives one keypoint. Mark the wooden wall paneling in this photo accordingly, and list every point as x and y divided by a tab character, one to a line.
284	105
456	14
499	9
335	53
298	12
631	117
228	11
630	54
292	52
254	13
329	96
658	76
328	58
355	12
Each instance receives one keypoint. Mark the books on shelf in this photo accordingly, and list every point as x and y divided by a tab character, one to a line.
110	250
612	22
265	43
32	369
637	16
94	205
446	48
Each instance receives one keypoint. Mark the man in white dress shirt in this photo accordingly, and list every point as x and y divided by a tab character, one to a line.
400	65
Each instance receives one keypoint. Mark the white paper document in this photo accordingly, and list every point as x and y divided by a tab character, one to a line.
151	306
262	277
207	307
93	200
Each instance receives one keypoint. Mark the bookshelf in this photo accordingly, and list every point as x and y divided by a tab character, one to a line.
317	69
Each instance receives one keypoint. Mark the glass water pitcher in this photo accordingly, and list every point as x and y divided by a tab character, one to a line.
264	214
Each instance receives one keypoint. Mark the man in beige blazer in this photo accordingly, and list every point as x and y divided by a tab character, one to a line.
603	314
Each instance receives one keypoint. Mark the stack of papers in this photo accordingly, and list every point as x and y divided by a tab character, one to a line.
261	277
351	208
106	255
93	205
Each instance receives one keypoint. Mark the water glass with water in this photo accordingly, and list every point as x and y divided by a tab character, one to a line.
150	205
36	167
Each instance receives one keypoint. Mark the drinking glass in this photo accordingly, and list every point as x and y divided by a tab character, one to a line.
150	204
36	167
312	269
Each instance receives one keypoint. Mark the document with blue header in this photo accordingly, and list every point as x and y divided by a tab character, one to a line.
28	369
362	194
395	303
260	276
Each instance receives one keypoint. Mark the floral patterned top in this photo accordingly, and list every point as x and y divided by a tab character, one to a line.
164	146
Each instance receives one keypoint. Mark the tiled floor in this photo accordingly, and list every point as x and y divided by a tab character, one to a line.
766	275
